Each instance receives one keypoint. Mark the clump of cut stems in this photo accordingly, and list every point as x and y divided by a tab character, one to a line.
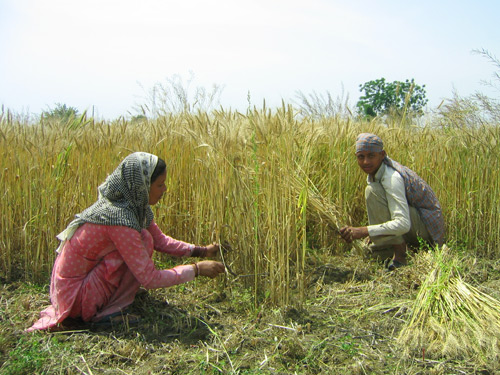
318	205
451	318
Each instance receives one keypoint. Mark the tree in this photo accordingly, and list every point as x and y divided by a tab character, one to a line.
60	112
382	98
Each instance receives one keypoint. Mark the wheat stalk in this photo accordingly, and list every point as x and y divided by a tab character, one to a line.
451	318
317	204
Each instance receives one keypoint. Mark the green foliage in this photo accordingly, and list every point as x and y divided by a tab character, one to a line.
60	112
33	354
348	345
61	165
382	98
27	357
138	119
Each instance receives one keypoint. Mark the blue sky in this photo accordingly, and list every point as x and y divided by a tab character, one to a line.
106	54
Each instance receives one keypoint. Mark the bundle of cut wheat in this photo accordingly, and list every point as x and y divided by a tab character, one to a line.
317	204
450	318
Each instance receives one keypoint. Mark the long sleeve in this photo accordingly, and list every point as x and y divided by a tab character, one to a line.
169	245
136	249
394	187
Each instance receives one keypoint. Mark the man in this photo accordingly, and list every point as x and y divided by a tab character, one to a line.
401	206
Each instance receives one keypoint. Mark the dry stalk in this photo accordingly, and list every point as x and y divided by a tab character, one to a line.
318	205
451	318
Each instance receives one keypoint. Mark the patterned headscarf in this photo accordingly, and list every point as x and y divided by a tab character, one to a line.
369	142
123	197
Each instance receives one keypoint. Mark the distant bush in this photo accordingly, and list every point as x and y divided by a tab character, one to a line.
396	98
60	112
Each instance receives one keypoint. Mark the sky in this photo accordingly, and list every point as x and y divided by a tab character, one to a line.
106	55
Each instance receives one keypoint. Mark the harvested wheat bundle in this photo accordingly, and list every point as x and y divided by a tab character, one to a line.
450	318
319	205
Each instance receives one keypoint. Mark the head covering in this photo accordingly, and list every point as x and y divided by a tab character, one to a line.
418	193
369	142
123	197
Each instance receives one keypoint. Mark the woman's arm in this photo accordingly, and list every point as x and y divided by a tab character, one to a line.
169	245
131	247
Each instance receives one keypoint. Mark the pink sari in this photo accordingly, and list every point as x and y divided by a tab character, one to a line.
101	268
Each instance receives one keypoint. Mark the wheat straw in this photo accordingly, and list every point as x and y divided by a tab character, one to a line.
318	205
451	318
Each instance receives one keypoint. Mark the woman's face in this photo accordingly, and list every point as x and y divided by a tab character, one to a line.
157	188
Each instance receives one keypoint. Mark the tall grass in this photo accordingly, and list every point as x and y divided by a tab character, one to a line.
231	178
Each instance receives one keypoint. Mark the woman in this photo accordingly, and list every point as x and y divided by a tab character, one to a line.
106	252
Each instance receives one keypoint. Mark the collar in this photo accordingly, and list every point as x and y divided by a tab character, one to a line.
378	175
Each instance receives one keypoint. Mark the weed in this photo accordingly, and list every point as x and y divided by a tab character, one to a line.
348	345
28	356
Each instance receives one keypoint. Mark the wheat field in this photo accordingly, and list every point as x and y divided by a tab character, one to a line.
241	178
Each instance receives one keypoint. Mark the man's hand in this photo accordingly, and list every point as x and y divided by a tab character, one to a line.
350	234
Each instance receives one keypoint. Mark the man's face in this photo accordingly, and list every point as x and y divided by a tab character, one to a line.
370	162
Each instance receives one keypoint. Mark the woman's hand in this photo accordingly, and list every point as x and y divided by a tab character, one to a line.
212	250
209	251
350	234
210	268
